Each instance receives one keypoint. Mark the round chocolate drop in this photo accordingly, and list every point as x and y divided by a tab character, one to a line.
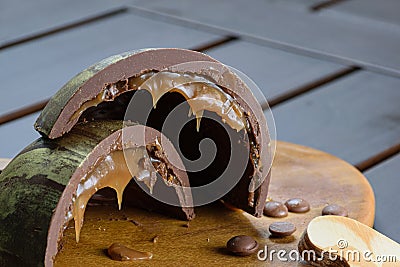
297	205
275	209
282	229
242	245
334	209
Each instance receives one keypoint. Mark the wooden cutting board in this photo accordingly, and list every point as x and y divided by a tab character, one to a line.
297	171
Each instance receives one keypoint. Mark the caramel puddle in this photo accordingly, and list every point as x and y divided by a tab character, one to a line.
120	252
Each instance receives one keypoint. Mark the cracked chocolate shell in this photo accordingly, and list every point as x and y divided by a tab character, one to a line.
166	78
51	181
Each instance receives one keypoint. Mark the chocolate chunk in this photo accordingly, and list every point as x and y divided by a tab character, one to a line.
120	252
275	209
242	245
334	209
282	229
297	205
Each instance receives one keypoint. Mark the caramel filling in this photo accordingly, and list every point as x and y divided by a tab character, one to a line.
120	252
200	93
113	171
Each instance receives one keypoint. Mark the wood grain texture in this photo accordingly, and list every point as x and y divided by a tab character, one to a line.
276	72
298	171
27	18
353	118
36	70
345	41
385	180
355	244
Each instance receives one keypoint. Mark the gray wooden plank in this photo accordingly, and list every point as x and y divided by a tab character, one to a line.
304	5
350	42
177	6
353	118
385	180
16	135
276	72
386	11
21	18
36	70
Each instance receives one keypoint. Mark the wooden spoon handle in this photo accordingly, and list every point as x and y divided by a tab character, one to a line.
341	241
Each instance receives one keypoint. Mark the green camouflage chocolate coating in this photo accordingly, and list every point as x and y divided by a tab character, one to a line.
31	186
54	107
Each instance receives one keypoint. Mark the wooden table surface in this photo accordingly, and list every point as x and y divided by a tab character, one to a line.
330	69
297	171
